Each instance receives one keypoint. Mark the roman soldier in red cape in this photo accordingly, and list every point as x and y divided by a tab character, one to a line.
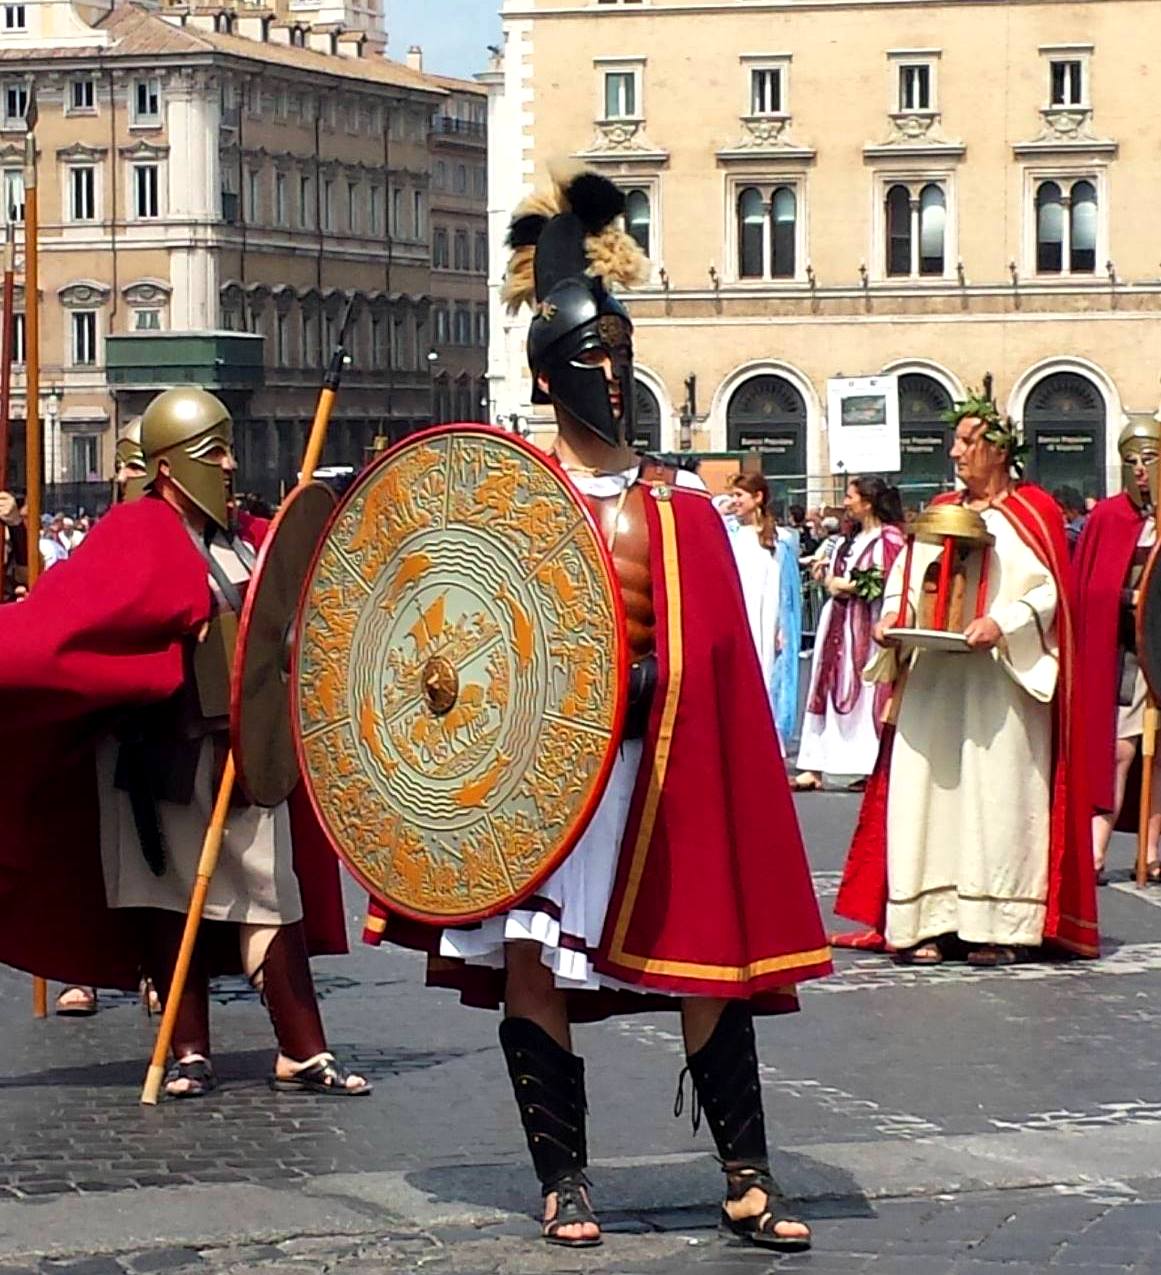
975	832
1110	558
689	888
114	691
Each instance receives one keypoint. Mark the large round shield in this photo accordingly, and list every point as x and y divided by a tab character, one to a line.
1149	623
260	730
460	674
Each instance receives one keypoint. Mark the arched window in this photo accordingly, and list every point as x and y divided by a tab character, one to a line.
638	218
647	437
784	210
898	231
1049	229
932	224
1064	425
1083	231
751	231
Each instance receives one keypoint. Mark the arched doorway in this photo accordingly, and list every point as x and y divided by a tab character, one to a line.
648	434
924	438
767	414
1064	426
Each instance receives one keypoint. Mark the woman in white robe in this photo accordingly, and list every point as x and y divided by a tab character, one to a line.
843	720
752	540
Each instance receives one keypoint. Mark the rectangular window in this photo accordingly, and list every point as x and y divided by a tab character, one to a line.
397	213
461	254
377	330
463	327
460	180
280	199
481	254
282	340
481	182
253	195
309	349
352	207
18	338
14	195
439	175
147	101
83	193
15	17
765	91
15	103
439	251
481	327
441	326
82	95
84	327
328	205
1067	82
375	211
305	203
417	213
146	200
915	87
84	468
146	320
620	95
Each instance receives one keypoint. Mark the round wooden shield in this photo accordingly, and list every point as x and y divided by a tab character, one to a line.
1149	623
260	731
460	674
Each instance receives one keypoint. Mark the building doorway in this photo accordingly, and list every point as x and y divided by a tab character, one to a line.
1064	426
767	414
924	439
647	437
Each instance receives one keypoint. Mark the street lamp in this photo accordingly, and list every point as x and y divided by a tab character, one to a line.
52	413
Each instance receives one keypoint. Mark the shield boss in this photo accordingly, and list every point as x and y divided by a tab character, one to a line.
460	674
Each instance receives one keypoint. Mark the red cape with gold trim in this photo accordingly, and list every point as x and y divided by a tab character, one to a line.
713	894
103	631
1071	919
1103	557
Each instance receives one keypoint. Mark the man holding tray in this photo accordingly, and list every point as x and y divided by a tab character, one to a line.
974	835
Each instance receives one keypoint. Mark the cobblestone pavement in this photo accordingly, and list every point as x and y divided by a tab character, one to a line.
939	1121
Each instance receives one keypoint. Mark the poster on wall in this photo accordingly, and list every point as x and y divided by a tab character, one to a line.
863	424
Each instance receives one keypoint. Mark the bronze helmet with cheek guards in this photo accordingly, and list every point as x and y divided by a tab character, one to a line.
1141	441
188	427
129	464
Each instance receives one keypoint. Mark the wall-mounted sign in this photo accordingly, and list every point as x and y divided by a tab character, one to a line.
863	424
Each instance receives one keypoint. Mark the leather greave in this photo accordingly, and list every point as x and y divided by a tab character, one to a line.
163	931
549	1084
725	1077
289	996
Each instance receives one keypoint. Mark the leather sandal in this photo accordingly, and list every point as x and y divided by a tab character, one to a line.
321	1074
993	955
573	1208
197	1072
760	1229
928	953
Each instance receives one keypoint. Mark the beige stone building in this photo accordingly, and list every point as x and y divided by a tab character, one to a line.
459	250
216	185
857	187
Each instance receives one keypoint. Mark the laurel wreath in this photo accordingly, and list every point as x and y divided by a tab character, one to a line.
999	430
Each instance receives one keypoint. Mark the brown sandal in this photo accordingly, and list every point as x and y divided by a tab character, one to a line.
85	1006
760	1229
993	955
928	953
573	1208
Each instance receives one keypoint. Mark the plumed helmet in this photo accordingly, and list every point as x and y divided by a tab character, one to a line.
1140	443
186	426
129	464
568	248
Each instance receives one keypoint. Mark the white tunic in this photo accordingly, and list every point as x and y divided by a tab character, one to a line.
566	915
759	574
843	743
254	883
968	813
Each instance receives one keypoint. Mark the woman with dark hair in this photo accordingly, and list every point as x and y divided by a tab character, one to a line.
752	538
840	731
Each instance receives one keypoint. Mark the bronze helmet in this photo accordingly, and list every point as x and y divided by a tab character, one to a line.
1140	440
184	426
129	464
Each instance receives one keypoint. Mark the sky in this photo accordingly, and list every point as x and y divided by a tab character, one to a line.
454	34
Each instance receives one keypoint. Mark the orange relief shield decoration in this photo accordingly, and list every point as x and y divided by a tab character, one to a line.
460	674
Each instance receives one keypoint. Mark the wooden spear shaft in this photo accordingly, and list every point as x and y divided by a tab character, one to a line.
212	845
32	433
7	332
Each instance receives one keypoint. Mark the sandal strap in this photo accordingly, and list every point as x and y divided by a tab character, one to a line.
741	1178
572	1201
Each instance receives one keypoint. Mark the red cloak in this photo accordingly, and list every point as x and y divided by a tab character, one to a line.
102	631
713	894
1071	919
1103	556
